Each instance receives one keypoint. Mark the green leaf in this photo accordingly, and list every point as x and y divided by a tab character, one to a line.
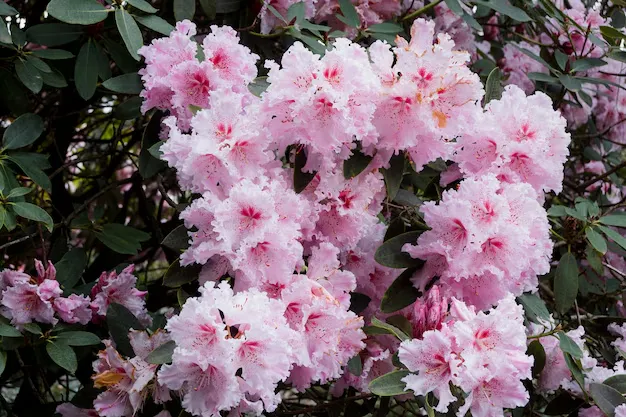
128	110
18	192
390	252
177	239
571	83
584	64
184	9
9	331
258	86
129	31
394	174
355	164
567	345
614	236
23	131
5	36
594	259
561	59
534	307
6	10
103	63
390	384
209	7
227	6
120	320
142	5
54	54
18	37
386	27
126	84
148	164
86	70
536	350
53	34
29	76
618	220
32	165
389	328
358	302
606	398
122	239
349	14
70	268
296	11
162	354
532	55
611	34
355	365
596	240
493	86
3	361
576	369
80	12
62	355
177	275
155	150
400	294
156	24
402	323
540	76
301	179
78	338
33	212
505	8
617	382
566	282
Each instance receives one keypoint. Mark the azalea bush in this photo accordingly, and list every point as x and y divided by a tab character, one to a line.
325	208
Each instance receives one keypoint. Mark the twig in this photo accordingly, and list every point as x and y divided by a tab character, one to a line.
322	406
421	11
20	240
592	181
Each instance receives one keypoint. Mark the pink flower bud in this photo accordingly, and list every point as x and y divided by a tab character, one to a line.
428	314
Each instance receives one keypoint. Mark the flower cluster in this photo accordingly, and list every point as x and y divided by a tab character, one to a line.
481	353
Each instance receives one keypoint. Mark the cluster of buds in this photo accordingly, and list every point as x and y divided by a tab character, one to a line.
429	312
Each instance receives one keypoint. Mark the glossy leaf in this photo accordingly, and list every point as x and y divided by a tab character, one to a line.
22	131
120	320
390	384
62	355
126	84
390	252
80	12
162	354
129	31
33	212
566	282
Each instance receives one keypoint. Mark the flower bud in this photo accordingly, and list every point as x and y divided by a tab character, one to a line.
428	313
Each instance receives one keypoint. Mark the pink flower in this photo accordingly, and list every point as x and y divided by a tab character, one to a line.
73	309
70	410
429	313
29	302
120	289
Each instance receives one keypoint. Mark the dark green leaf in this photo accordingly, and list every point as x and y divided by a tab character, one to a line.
18	37
9	331
122	239
571	83
3	361
209	7
156	24
402	323
258	86
5	36
611	34
54	79
618	220
19	192
32	165
227	6
536	350
23	131
53	34
614	236
566	282
532	55
296	11
129	31
33	212
594	259
563	404
162	354
177	275
390	329
390	384
561	59
576	369
52	54
70	268
80	12
120	320
390	252
400	294
596	240
301	179
184	9
126	84
540	76
584	64
6	10
355	365
62	355
29	76
617	382
534	307
86	70
569	346
155	150
32	328
355	164
177	239
387	27
128	110
505	8
606	398
142	5
349	14
78	338
394	174
493	86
